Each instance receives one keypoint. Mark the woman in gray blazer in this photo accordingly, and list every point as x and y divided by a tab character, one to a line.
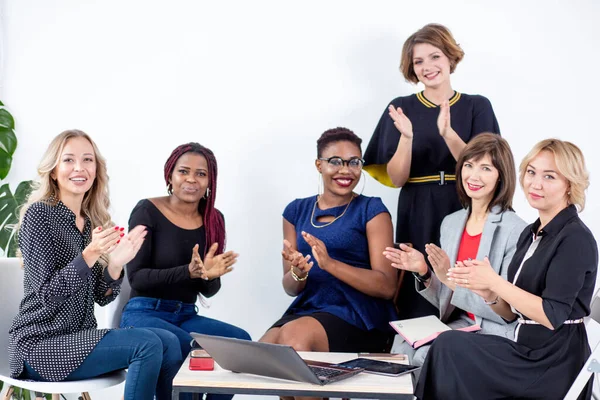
487	227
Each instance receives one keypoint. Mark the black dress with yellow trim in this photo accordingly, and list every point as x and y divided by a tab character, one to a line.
430	192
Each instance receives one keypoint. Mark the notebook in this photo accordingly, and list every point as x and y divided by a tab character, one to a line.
423	330
273	360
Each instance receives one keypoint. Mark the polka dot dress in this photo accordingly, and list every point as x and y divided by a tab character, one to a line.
55	329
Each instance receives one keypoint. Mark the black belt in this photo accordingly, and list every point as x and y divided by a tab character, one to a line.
440	178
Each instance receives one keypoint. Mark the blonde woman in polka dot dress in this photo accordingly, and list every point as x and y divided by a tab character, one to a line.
73	257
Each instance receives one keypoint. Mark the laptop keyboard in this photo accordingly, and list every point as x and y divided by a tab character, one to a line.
324	373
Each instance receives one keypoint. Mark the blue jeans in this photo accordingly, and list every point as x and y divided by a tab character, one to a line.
180	319
151	355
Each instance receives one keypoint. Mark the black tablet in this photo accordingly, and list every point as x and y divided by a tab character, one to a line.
379	367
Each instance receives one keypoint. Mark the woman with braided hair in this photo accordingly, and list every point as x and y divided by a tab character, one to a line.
183	254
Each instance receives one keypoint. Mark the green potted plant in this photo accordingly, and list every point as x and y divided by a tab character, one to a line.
9	201
9	213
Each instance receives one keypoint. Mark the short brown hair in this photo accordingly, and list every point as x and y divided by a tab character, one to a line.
502	159
570	163
436	35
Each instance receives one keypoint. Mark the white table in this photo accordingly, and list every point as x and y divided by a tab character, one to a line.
363	385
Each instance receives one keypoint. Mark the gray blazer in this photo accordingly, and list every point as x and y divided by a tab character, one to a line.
498	241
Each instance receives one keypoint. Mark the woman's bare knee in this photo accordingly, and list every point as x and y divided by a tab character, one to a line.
304	334
270	336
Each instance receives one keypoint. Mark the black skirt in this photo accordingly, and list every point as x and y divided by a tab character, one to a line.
344	337
462	365
421	210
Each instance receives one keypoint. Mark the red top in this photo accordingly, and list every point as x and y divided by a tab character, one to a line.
467	250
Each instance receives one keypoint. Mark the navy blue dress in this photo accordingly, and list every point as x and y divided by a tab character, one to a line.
346	241
423	206
541	363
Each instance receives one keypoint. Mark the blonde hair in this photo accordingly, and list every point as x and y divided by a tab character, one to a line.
570	163
95	201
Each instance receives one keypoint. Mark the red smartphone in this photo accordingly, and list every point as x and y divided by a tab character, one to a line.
200	360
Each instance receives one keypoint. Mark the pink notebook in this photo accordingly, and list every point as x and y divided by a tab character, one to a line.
423	330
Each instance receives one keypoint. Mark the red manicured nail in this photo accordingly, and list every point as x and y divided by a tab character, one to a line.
122	234
122	229
118	241
99	228
116	228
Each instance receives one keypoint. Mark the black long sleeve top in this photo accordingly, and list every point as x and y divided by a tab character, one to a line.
161	267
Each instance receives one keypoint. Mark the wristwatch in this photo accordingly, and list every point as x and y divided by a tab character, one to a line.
423	278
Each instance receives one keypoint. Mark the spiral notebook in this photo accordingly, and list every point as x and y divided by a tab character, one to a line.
423	330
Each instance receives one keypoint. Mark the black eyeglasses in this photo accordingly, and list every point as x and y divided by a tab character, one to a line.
338	162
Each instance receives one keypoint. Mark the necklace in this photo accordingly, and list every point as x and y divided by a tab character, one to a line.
312	217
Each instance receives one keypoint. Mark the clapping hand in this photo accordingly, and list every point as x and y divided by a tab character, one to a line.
297	261
213	266
104	241
401	121
127	247
474	275
462	268
443	121
196	266
440	262
319	250
406	258
217	266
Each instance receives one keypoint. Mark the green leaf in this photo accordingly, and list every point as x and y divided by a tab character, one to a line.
5	162
6	119
17	393
23	191
48	396
8	216
1	104
8	140
21	194
26	394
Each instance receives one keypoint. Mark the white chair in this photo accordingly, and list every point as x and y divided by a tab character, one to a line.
11	287
114	310
592	365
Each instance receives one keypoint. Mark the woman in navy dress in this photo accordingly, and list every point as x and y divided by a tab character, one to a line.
333	260
549	289
417	141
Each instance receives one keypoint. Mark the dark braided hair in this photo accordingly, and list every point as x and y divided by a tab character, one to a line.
337	135
214	226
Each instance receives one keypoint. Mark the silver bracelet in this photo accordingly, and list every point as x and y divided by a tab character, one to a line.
491	303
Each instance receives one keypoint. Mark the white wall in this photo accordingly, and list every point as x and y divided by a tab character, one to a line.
259	81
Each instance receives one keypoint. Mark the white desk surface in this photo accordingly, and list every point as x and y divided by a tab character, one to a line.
362	385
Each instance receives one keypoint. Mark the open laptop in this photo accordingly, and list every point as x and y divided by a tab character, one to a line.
274	360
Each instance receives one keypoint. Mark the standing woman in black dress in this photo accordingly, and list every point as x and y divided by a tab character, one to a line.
549	289
417	141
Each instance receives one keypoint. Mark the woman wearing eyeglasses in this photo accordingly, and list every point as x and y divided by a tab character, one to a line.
333	262
417	141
